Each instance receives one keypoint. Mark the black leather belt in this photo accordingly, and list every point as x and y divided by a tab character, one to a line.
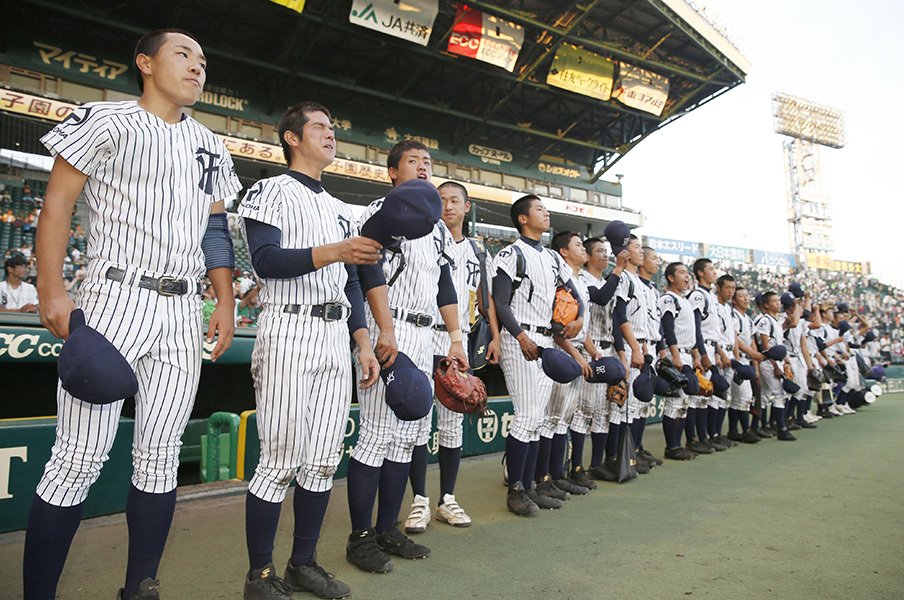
165	286
416	319
712	343
854	346
602	345
328	312
641	340
537	329
440	327
728	348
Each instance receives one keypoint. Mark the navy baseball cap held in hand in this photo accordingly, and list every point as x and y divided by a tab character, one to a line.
409	211
617	234
608	369
643	385
91	368
692	386
408	391
720	384
743	372
777	352
787	300
558	366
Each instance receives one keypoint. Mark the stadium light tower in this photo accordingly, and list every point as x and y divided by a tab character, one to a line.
807	125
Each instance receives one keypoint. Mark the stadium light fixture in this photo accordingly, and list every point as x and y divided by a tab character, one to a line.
806	120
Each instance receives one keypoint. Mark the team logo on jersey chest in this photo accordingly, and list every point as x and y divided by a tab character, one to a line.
473	273
209	168
346	227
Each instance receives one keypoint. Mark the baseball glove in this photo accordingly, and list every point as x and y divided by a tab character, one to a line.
706	386
789	372
617	393
564	310
814	379
666	370
458	390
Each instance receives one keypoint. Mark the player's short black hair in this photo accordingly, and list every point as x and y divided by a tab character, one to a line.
150	43
739	288
12	262
457	186
521	206
724	279
671	269
562	239
589	242
766	297
700	265
294	120
647	249
395	155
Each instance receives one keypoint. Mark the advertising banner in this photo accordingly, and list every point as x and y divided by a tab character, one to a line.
773	259
732	253
582	72
411	20
641	89
673	247
485	37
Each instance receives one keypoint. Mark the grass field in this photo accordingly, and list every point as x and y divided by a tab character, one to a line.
822	517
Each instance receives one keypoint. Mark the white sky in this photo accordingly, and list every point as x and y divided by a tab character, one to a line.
716	175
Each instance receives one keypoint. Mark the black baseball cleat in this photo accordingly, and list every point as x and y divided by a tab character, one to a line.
750	437
641	466
792	425
785	435
579	476
725	441
698	447
363	552
396	542
262	584
679	453
542	500
519	503
605	471
769	430
823	411
716	445
315	579
569	486
806	424
546	488
734	436
763	433
649	457
148	589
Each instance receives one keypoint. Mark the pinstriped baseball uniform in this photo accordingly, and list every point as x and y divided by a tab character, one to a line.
142	171
415	265
632	290
466	277
300	363
653	333
727	342
685	334
766	324
742	393
565	397
592	412
798	364
854	381
527	384
706	302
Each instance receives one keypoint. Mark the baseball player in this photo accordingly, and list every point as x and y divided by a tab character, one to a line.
798	357
704	303
744	352
769	331
646	271
851	344
299	236
415	278
139	164
466	277
725	289
601	340
17	295
681	332
527	275
837	350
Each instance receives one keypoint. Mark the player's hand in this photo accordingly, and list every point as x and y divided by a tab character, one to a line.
29	308
54	311
358	251
370	368
758	356
386	349
457	350
222	326
528	347
621	260
777	371
494	351
719	361
705	362
676	362
698	364
586	371
637	359
573	328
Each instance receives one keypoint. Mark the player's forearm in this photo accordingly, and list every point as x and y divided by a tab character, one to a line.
568	347
449	314
378	299
221	281
493	320
50	245
361	337
603	295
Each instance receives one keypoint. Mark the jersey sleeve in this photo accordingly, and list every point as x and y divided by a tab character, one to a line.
698	302
762	327
263	202
506	261
444	242
371	209
563	271
667	305
227	184
623	290
82	139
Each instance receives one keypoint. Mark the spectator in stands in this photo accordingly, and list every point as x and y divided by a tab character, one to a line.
17	295
248	308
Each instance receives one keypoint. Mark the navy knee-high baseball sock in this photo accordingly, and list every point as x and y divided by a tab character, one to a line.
744	418
712	418
261	519
515	459
636	432
530	462
47	539
449	461
842	397
417	474
702	418
643	428
778	414
598	443
577	449
755	419
690	424
612	440
808	404
679	427
557	456
801	409
393	476
544	447
309	508
790	409
149	517
733	419
720	420
668	431
363	483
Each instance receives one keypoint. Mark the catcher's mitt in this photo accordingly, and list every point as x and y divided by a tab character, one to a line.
666	370
617	393
458	390
814	379
706	386
789	372
564	310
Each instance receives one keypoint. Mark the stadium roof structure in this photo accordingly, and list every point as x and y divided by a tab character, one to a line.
319	53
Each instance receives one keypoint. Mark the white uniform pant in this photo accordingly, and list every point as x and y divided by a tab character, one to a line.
592	412
382	435
741	393
853	382
676	408
799	368
771	386
448	422
563	403
631	409
161	338
705	401
302	371
528	386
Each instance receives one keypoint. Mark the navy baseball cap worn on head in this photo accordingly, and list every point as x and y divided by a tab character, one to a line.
558	366
778	352
843	327
408	391
842	307
91	368
789	386
795	288
617	233
643	384
608	369
787	300
869	336
409	211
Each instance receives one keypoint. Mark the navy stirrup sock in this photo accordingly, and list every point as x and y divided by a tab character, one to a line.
417	474
261	520
393	476
515	459
598	443
544	447
363	482
449	461
668	427
47	541
733	418
557	456
530	463
690	423
712	418
309	508
577	449
612	440
149	517
702	419
744	417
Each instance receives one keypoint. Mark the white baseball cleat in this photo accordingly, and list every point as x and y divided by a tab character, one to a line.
835	410
419	517
453	514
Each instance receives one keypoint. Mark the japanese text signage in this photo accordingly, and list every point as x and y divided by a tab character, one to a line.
577	70
35	106
773	259
78	62
674	247
641	89
485	37
731	253
411	20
